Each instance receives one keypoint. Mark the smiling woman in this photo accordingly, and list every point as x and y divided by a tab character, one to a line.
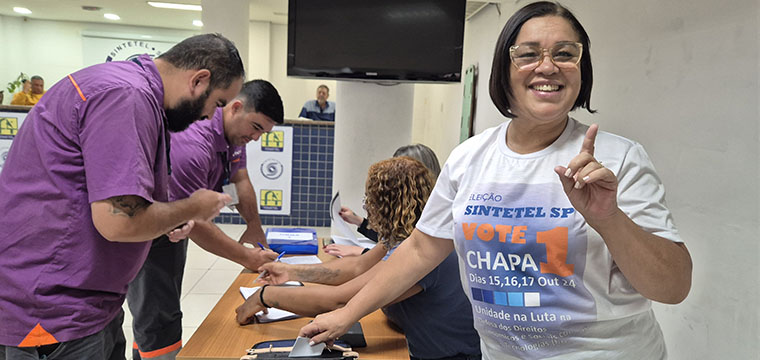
580	272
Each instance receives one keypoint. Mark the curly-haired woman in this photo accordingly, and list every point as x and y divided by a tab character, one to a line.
434	313
416	151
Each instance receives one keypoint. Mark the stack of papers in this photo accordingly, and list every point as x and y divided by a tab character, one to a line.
274	314
361	241
349	237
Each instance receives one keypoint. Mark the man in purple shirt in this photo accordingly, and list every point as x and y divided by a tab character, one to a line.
208	155
85	186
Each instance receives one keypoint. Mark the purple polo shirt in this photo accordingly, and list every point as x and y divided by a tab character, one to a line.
96	134
197	157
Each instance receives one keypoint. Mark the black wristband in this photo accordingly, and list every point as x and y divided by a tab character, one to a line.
261	296
365	251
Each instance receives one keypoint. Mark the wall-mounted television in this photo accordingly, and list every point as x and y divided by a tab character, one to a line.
401	40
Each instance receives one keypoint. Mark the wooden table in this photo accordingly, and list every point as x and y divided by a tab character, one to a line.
220	336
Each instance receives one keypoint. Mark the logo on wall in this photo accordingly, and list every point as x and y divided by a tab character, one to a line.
3	156
273	141
8	127
129	50
271	199
271	169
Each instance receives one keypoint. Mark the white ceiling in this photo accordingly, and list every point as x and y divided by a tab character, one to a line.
138	12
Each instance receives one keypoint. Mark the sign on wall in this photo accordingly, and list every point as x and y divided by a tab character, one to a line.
270	165
10	122
100	47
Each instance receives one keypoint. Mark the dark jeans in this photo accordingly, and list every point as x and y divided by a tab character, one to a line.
154	300
107	344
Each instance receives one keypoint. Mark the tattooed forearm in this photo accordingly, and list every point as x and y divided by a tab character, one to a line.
316	274
274	304
127	205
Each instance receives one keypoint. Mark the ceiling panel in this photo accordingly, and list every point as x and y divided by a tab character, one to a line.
138	12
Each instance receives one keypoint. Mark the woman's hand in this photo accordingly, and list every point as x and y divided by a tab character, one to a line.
343	250
590	187
327	327
246	313
350	217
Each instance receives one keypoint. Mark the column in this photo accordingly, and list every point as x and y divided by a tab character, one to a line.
371	122
231	19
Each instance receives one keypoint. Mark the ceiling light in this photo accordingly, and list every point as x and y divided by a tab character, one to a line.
22	10
176	6
198	23
111	16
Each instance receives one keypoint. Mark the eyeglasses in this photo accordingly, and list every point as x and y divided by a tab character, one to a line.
565	55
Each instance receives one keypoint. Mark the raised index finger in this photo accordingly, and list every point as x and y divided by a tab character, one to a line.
588	141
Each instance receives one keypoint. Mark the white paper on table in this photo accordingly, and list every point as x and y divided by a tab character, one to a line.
337	220
274	314
362	241
306	259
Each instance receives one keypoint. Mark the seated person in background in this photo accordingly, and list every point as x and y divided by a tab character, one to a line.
319	109
20	98
416	151
434	313
32	92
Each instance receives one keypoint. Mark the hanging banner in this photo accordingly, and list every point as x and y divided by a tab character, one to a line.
270	165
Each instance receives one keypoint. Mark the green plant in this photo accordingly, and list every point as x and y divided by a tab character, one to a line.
16	84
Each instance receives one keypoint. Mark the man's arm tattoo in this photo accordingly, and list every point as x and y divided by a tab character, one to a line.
128	205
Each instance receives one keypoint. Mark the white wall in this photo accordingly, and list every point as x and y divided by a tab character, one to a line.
443	104
53	49
681	77
259	54
371	122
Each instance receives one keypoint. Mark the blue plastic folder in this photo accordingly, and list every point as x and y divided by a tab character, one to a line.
293	240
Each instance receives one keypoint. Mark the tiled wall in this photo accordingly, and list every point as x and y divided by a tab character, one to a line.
312	179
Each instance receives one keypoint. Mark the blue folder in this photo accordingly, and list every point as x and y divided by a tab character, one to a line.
293	240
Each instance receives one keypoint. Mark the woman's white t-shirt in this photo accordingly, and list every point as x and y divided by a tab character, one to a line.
541	281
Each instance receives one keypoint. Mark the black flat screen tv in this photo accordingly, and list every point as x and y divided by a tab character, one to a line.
394	40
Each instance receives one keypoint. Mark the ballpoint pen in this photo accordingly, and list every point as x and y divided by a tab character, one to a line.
265	272
261	246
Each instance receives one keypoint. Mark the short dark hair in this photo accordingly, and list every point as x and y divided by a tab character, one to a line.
37	77
499	87
213	52
323	86
261	96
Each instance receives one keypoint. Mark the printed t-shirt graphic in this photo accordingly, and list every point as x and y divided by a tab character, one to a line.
524	256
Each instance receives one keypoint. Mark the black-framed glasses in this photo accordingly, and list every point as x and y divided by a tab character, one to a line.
565	55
